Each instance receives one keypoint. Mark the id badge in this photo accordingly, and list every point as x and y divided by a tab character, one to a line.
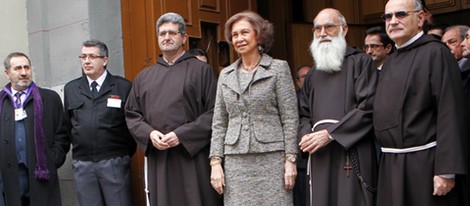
20	114
114	101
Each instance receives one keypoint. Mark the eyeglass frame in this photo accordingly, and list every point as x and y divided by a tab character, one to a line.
386	17
84	57
328	28
371	46
171	33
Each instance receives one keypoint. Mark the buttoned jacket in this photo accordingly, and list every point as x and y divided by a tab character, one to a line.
45	193
98	129
266	110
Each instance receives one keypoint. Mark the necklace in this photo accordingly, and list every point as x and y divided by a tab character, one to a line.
253	66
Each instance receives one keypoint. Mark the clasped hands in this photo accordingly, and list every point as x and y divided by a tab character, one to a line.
314	141
164	141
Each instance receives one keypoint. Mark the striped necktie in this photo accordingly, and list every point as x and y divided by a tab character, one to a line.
18	98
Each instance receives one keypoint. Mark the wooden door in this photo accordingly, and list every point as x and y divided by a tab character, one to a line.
139	52
465	4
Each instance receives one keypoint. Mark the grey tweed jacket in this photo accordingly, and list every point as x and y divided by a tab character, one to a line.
261	118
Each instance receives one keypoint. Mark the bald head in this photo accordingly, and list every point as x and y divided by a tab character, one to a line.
329	22
332	14
301	73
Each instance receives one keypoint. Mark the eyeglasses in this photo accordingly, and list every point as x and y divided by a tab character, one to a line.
91	57
399	15
169	32
371	46
327	27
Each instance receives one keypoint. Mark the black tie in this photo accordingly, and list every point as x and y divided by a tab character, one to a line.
18	98
94	91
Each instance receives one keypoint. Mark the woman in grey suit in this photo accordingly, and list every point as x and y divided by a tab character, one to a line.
255	120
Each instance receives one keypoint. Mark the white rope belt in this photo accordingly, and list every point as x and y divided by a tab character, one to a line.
324	121
146	181
409	149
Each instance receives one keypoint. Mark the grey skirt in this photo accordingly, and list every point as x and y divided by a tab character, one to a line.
255	179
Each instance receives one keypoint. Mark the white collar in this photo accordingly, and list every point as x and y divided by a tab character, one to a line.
411	40
380	67
174	60
14	91
100	79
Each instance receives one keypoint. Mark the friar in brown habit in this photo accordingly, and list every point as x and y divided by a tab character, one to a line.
336	118
169	112
418	115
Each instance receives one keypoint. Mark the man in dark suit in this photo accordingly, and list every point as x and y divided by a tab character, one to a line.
378	45
32	146
102	145
465	75
453	37
465	68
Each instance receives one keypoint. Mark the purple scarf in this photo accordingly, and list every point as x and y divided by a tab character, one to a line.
41	172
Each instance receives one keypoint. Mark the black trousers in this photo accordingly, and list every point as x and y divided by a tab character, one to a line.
24	184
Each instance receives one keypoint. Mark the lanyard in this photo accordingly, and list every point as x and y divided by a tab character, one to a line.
28	92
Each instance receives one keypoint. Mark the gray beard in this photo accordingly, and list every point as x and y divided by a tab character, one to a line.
329	56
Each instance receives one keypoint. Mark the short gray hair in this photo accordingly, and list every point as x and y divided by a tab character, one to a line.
462	29
171	17
7	61
341	18
98	44
418	5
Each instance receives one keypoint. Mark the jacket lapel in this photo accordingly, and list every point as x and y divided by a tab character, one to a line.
231	80
105	87
84	88
263	68
108	84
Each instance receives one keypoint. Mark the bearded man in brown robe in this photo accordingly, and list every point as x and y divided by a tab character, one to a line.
336	117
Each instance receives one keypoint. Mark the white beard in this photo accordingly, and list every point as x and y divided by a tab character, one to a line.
329	56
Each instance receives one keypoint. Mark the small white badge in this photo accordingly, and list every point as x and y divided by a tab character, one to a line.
20	114
114	101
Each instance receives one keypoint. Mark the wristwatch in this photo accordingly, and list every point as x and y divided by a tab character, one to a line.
291	158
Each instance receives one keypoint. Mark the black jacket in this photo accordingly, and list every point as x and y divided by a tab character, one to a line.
45	193
97	130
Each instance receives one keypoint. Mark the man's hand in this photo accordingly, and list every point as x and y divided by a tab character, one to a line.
313	141
171	139
442	185
156	138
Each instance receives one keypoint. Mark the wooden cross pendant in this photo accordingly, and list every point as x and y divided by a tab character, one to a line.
347	166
